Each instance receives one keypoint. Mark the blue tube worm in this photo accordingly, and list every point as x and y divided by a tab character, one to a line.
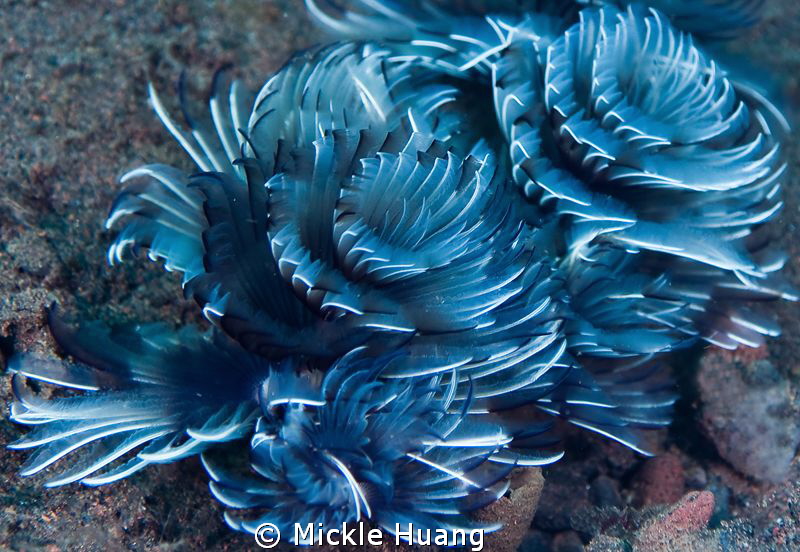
394	232
387	279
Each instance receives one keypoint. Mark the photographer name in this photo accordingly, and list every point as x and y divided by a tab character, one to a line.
358	534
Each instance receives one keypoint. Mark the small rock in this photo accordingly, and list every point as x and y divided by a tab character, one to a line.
660	480
604	493
696	478
747	412
677	524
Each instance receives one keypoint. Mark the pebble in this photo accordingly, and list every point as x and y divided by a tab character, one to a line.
604	493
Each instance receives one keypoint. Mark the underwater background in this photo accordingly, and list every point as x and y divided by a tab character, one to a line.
74	117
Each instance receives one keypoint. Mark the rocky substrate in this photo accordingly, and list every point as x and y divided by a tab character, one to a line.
74	116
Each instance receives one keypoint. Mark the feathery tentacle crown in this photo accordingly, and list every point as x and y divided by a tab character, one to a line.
389	452
388	275
161	394
621	125
368	230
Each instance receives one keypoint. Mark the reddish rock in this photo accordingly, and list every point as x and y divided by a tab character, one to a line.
660	480
676	527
